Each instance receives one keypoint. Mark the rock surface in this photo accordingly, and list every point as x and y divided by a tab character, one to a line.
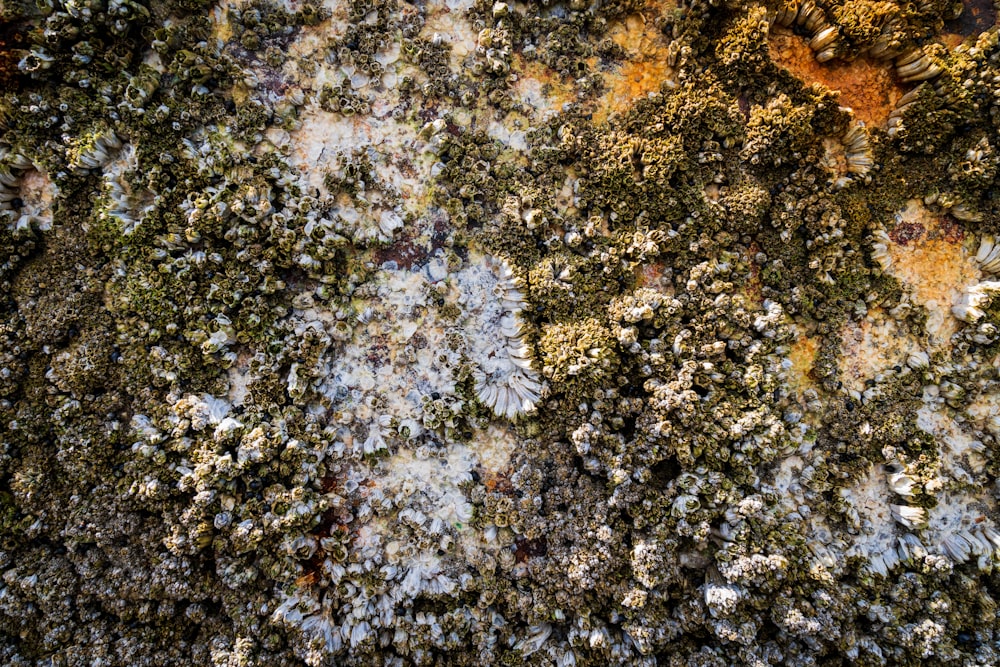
363	332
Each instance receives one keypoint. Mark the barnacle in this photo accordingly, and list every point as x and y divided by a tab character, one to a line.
505	379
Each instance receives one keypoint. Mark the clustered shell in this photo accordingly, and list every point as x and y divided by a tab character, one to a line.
101	151
895	120
507	383
128	204
824	37
970	305
988	255
857	149
915	66
12	167
880	249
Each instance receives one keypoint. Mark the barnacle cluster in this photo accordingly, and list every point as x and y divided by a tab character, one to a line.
473	332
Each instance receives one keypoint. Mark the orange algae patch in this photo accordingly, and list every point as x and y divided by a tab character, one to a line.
646	68
868	88
643	71
869	347
802	355
928	256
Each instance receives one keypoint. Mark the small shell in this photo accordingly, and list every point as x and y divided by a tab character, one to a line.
824	38
907	515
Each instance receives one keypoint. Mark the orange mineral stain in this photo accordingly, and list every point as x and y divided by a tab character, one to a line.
928	256
802	355
646	68
867	87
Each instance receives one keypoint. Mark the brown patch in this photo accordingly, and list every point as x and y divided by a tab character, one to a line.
525	548
328	484
13	42
905	232
976	17
867	87
497	482
415	250
310	578
951	230
405	253
743	102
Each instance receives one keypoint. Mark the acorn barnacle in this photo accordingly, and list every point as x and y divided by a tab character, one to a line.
824	38
505	379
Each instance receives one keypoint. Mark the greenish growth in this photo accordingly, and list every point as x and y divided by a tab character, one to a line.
262	25
742	51
578	356
864	21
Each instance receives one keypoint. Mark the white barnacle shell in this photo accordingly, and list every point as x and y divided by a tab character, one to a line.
907	515
898	480
857	149
969	306
722	598
880	249
882	562
902	483
964	212
916	66
918	360
684	504
988	256
389	222
957	546
824	38
910	548
375	441
506	382
535	639
105	145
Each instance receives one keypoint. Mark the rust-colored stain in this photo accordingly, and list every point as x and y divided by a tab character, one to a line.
654	275
646	68
867	87
871	346
928	256
802	354
643	71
